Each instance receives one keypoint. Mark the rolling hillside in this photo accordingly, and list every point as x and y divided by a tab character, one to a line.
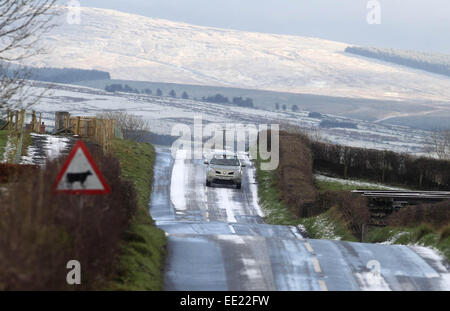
133	47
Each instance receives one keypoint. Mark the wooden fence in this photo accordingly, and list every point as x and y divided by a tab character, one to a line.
16	121
97	129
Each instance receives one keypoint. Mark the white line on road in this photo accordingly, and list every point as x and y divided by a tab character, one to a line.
178	181
316	265
224	203
309	247
323	285
232	229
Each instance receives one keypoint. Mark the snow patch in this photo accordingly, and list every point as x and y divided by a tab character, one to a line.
224	202
438	259
326	228
370	281
55	145
395	238
356	183
8	149
179	180
254	190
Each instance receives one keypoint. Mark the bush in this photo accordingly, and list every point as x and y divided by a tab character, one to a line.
422	230
133	127
352	208
40	231
437	215
445	233
294	174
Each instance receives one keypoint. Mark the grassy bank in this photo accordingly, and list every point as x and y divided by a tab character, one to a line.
141	262
325	226
423	235
3	142
14	139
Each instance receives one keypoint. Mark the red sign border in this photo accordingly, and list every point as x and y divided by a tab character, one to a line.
78	145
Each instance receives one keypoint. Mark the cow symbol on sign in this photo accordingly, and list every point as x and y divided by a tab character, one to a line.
72	178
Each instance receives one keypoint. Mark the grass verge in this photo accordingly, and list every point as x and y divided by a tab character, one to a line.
422	235
325	226
14	138
3	142
140	265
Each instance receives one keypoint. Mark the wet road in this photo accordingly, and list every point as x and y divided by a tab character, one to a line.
217	240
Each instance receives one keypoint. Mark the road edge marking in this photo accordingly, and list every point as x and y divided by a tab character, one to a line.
309	247
316	265
323	285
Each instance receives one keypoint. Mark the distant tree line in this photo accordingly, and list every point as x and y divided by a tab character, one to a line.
128	89
113	88
294	108
217	99
432	62
315	115
56	75
341	124
237	101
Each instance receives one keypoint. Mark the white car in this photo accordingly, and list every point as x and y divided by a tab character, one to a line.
225	169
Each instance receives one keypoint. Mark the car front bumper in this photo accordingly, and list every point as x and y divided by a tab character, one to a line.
228	179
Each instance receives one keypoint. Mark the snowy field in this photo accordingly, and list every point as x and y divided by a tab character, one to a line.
164	113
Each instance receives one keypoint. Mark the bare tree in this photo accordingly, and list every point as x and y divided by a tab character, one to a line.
133	127
22	24
439	144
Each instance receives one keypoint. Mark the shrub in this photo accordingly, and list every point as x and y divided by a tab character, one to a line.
437	215
445	233
422	230
40	231
133	127
294	174
352	208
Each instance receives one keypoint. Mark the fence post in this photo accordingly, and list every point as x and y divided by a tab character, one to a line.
8	119
17	120
78	126
20	143
66	124
34	121
40	123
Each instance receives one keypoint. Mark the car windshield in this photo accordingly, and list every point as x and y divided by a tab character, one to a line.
225	162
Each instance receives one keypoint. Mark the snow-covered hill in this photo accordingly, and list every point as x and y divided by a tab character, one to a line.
140	48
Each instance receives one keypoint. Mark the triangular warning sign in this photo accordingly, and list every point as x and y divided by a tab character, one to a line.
80	174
